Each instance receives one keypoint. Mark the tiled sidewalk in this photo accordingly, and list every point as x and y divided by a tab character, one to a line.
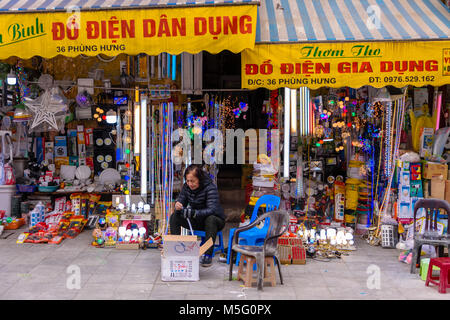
40	271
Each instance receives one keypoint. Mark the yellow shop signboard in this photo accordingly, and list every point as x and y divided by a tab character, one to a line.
316	65
112	32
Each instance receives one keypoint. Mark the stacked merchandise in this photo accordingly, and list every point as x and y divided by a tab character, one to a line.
364	208
404	210
67	220
351	194
264	182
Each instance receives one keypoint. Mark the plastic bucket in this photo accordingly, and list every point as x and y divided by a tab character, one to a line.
6	194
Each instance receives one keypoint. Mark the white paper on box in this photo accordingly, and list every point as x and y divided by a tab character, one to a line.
180	257
180	268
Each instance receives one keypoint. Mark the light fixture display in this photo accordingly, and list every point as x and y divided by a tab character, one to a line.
137	128
287	117
143	140
293	112
306	112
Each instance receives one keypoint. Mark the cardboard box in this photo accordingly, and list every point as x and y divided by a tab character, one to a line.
285	254
438	189
298	255
180	257
447	190
127	246
291	251
434	170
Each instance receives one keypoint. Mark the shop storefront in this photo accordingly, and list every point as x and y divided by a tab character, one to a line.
92	92
352	93
356	76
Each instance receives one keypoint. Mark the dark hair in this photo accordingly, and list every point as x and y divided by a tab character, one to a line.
198	172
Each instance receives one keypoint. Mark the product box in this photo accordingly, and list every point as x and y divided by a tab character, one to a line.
434	170
39	149
404	194
426	142
291	250
73	161
180	257
49	152
60	146
72	145
81	141
61	161
438	189
447	190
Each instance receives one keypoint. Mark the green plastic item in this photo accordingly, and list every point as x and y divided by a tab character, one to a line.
424	263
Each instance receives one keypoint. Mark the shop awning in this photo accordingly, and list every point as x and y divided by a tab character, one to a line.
71	27
64	5
351	20
338	43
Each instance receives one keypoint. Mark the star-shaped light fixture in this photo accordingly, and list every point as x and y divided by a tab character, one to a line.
44	107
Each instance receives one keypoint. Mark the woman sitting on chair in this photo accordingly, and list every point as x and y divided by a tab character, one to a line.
199	202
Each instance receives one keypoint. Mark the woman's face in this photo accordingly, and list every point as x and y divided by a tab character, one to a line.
192	181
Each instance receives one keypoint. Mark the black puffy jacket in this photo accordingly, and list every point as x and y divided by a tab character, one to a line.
204	199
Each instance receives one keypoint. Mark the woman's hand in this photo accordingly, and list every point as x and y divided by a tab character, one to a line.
178	206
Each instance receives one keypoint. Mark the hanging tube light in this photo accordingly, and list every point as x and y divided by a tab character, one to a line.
287	117
294	112
143	157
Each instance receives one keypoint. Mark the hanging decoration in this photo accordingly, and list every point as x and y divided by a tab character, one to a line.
84	99
46	107
22	80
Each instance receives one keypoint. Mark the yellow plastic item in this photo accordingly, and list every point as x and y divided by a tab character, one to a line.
418	123
352	181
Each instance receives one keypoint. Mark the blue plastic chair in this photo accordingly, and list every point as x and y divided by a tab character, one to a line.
217	247
254	236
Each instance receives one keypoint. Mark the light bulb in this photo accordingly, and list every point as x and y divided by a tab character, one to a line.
11	78
111	117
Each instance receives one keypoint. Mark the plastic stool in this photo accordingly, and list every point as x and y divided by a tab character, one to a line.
217	247
247	275
444	265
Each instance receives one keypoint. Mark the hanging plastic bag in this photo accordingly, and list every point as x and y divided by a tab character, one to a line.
2	172
9	178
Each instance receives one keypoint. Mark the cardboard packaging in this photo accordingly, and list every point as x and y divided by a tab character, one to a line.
180	257
426	142
447	190
438	189
291	251
127	246
434	170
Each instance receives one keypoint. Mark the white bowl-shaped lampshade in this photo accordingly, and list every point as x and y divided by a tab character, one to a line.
11	78
111	117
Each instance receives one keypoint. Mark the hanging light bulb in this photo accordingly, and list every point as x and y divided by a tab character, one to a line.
111	116
11	78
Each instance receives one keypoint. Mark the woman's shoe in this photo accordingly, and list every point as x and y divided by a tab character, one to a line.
206	260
